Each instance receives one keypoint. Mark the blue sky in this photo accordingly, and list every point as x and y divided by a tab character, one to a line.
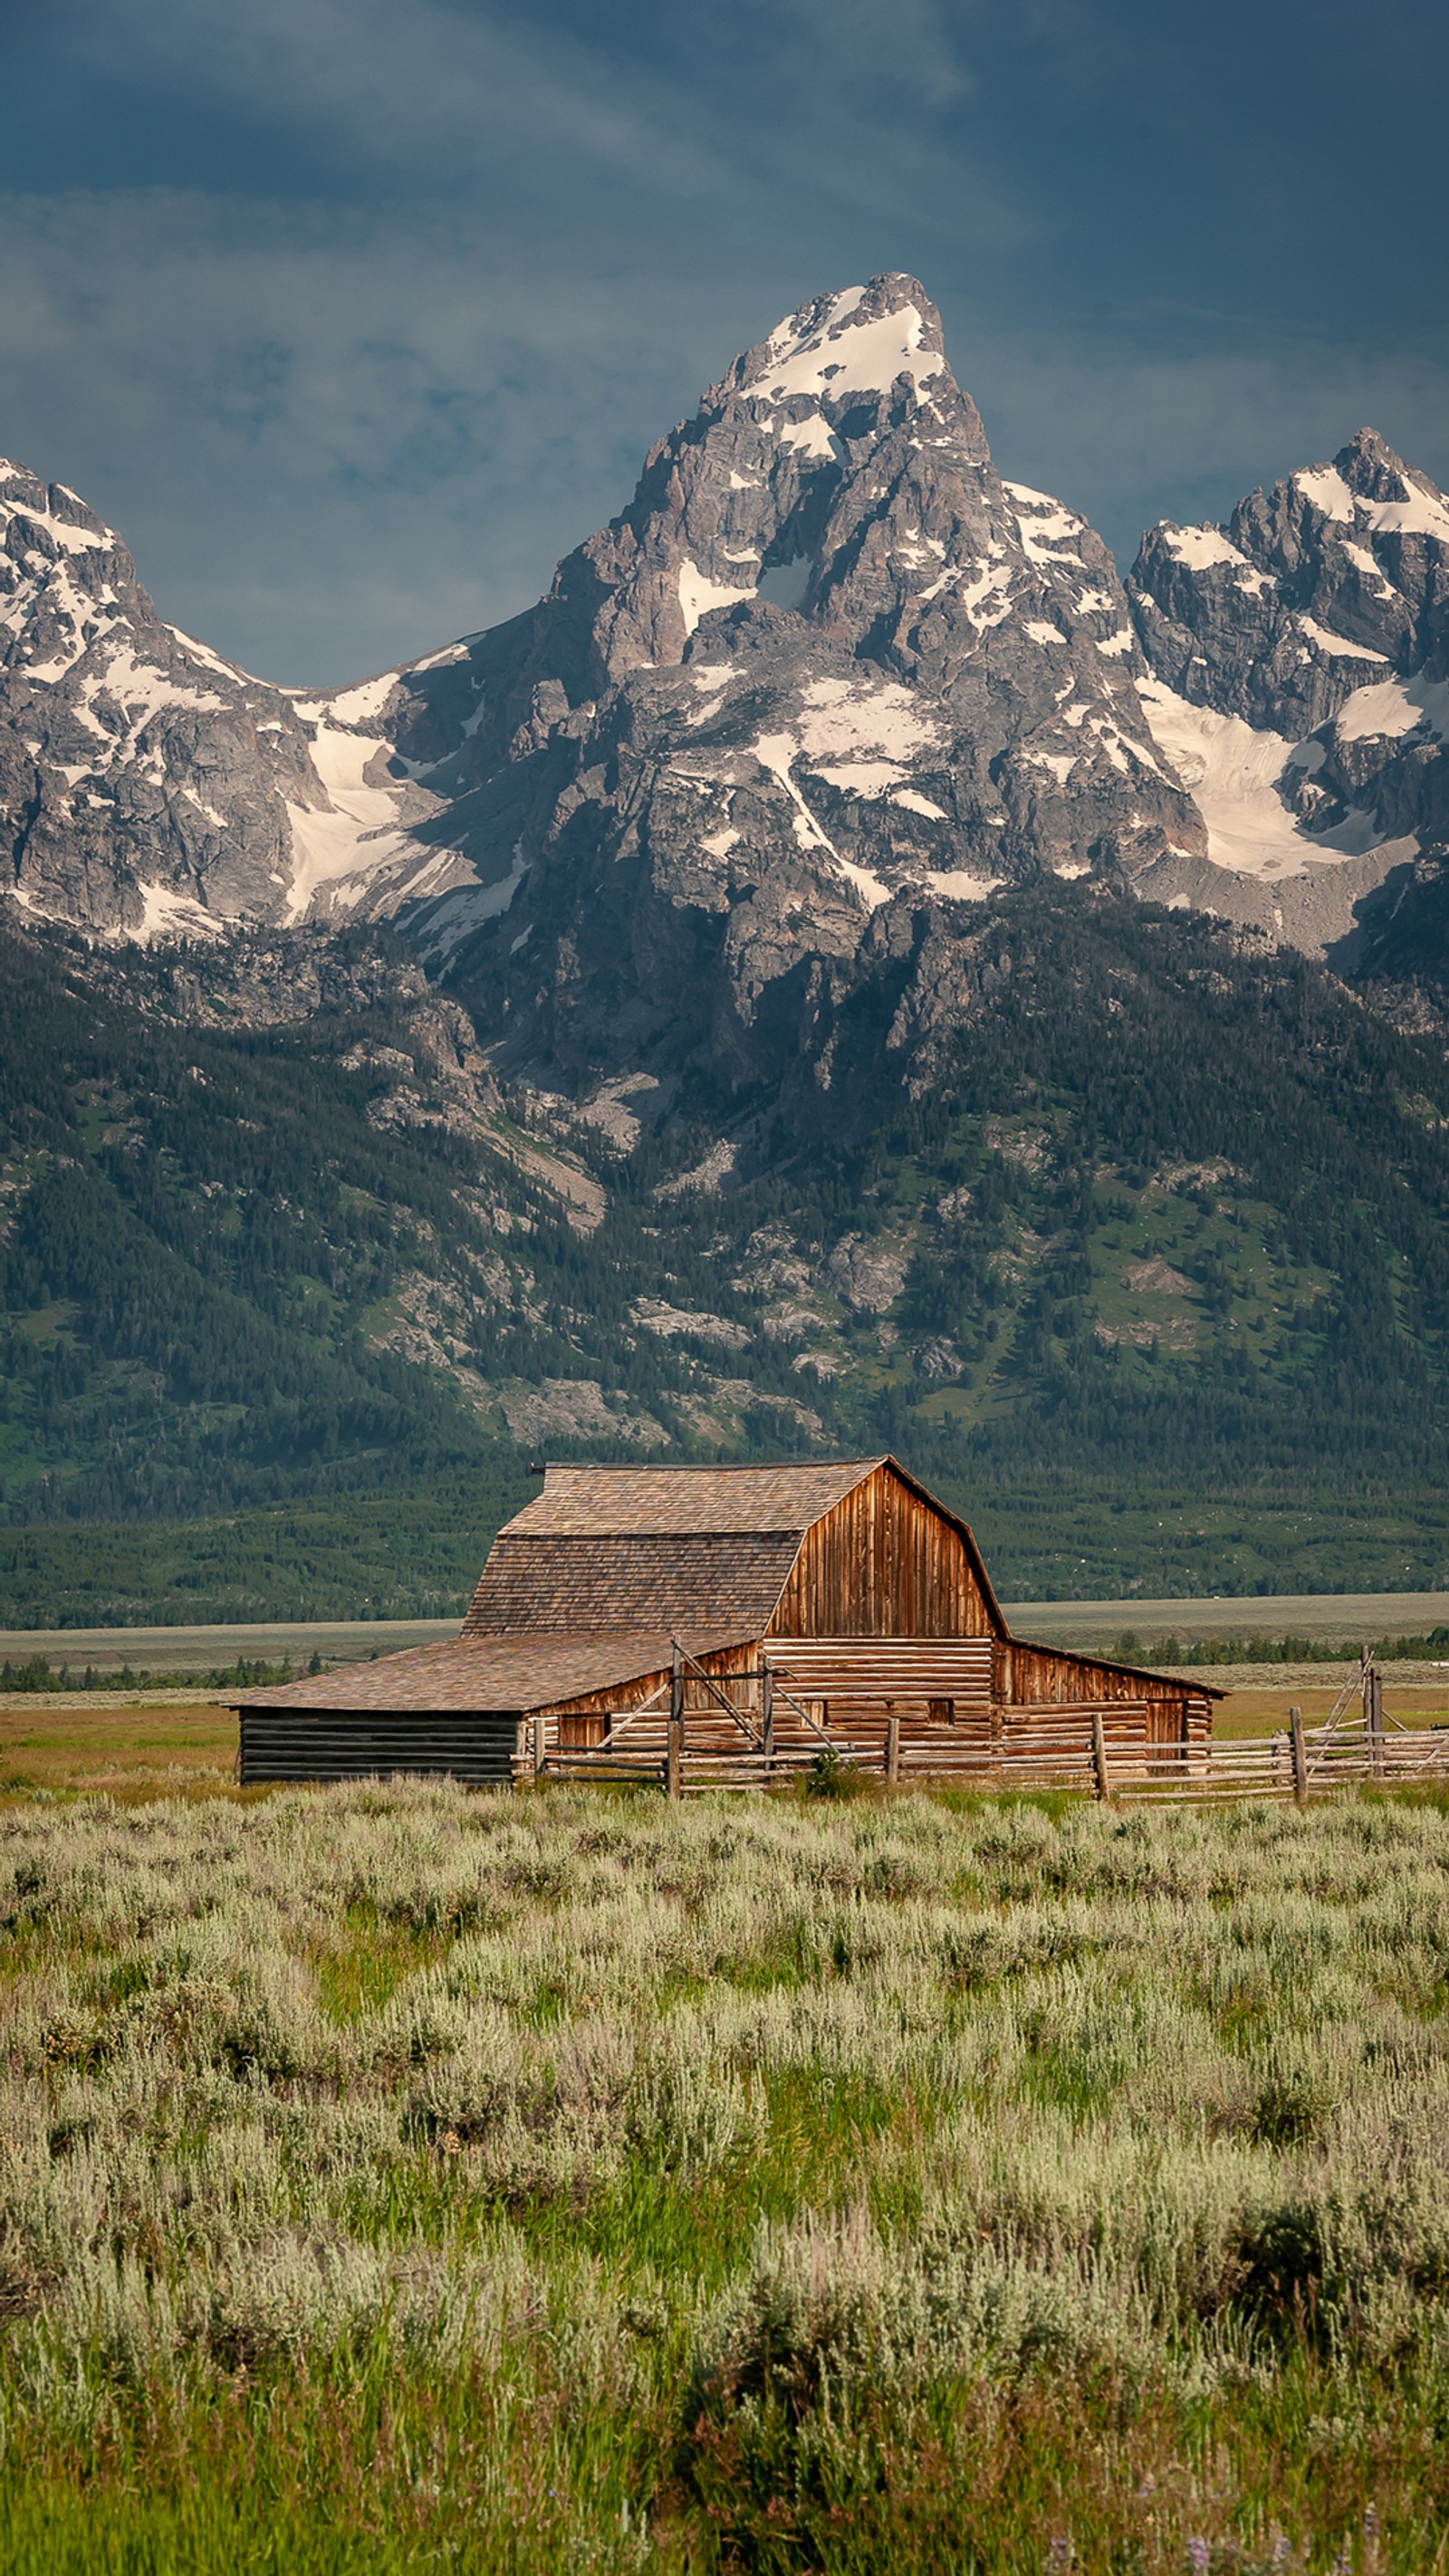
353	315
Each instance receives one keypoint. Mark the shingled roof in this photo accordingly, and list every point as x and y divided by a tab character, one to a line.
605	1549
510	1676
673	1502
562	1586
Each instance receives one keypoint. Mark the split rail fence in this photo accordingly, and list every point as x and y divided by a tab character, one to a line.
752	1730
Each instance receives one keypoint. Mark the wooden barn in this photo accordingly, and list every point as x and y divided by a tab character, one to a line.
706	1626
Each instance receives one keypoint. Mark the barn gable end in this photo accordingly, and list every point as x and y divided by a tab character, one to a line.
887	1560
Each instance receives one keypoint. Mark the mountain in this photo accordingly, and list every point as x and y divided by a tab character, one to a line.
151	790
1301	689
825	672
1153	1276
826	676
842	969
826	658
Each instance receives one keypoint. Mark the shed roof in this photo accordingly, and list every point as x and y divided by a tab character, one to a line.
678	1502
511	1674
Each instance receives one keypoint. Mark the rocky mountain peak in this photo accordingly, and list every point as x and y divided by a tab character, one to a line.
1372	473
1298	652
148	787
825	663
43	512
756	496
1273	615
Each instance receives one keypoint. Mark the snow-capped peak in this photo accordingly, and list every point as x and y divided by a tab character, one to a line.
51	508
860	341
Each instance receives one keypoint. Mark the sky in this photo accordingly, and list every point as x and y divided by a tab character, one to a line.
354	315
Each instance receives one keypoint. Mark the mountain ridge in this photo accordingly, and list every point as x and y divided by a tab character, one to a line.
834	970
823	613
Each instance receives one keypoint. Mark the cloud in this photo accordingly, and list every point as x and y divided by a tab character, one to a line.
1182	418
329	441
354	317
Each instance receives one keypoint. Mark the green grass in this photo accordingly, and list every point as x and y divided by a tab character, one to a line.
392	2178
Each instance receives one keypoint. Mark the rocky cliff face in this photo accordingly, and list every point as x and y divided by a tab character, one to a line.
774	737
1298	655
148	788
827	673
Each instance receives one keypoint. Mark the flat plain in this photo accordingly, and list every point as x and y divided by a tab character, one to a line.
172	1650
395	2178
1087	1625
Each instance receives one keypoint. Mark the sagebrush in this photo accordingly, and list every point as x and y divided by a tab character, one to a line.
397	2177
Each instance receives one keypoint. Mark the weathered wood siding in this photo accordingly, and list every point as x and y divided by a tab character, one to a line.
884	1562
1037	1677
280	1744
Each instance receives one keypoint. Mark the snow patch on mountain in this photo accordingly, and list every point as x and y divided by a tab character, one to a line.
698	594
1200	546
1388	709
848	353
1234	771
1422	512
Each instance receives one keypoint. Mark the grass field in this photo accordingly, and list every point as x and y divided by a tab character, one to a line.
128	1750
394	2178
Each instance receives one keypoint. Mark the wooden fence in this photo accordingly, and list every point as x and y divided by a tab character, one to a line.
747	1730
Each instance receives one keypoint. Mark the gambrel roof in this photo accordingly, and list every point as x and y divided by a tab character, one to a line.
629	1548
669	1502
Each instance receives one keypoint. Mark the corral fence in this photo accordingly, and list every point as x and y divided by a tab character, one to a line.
750	1730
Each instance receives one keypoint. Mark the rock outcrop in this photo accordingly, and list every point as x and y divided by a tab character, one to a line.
773	738
1299	688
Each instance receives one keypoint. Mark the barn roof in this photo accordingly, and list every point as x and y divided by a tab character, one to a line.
680	1502
512	1675
568	1585
634	1547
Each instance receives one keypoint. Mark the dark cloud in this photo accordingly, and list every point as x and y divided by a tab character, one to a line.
353	316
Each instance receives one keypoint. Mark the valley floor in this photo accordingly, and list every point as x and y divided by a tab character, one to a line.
154	1740
394	2178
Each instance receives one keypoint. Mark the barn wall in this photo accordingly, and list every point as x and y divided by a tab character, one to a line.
884	1562
582	1722
279	1744
1035	1676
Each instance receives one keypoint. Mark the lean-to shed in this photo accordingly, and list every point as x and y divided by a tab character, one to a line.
770	1610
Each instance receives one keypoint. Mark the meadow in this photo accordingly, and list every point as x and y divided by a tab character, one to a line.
395	2178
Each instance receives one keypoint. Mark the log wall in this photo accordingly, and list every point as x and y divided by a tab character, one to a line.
297	1744
1039	1677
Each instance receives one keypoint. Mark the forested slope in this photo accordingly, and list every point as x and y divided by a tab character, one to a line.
1142	1258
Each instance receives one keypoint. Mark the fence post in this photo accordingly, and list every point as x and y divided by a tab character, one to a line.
1099	1756
674	1745
767	1716
1300	1756
1376	1718
893	1744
